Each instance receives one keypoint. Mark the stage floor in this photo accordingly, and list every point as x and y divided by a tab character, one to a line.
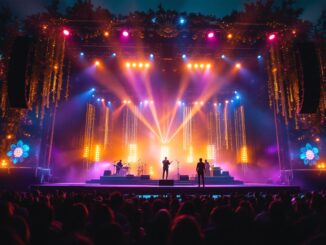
174	190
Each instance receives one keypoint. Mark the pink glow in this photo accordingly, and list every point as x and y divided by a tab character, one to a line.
125	33
210	35
271	37
66	32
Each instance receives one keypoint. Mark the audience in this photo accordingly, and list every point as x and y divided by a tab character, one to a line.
112	218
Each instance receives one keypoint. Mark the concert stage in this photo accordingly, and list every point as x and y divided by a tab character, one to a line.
191	189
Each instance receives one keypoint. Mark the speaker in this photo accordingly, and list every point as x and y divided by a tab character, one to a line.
311	77
107	173
184	177
166	182
145	177
17	94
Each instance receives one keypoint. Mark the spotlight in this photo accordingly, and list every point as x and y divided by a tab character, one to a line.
223	56
134	65
124	101
271	37
229	36
294	32
226	102
196	66
232	101
127	64
179	102
196	102
66	32
201	66
114	54
235	91
215	104
140	65
238	65
151	56
259	56
81	54
102	100
98	99
182	20
184	56
97	63
210	35
154	20
237	97
93	90
189	66
147	65
201	102
208	66
125	33
106	33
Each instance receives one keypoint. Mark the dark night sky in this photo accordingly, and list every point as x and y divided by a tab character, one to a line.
220	8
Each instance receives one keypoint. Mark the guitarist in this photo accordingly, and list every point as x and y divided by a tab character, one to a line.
166	164
119	167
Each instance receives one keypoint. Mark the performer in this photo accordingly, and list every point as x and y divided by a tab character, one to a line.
207	168
119	167
200	171
166	164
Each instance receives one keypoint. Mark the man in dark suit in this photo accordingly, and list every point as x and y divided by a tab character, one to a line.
166	164
200	171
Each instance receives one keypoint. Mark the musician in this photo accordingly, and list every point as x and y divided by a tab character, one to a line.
200	171
166	164
118	167
207	168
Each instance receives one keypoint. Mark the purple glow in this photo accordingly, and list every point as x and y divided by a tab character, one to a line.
125	33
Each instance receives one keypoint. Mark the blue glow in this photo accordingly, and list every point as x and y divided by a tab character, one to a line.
93	90
114	55
151	56
232	101
182	20
93	95
154	20
259	56
237	97
18	152
223	56
81	53
309	154
184	56
98	99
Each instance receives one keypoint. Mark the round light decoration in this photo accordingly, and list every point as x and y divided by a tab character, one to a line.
309	154
18	152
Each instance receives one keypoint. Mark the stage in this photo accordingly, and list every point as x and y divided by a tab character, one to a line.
165	190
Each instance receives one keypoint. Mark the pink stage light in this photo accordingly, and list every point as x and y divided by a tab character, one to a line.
125	33
210	35
271	37
66	32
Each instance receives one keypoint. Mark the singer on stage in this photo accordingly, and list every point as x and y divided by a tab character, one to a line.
166	164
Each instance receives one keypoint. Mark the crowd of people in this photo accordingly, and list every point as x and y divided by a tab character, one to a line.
112	218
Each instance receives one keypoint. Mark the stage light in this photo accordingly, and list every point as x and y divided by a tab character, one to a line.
9	136
238	65
146	102
147	65
152	102
154	20
98	99
196	103
223	56
210	35
235	91
208	66
294	32
179	102
182	20
93	90
124	101
129	102
196	66
4	163
226	102
244	154
201	102
309	154
317	139
55	67
201	66
151	56
237	97
271	37
81	54
215	104
125	33
18	152
140	65
134	65
106	33
259	56
97	153
184	56
114	55
97	63
232	101
102	100
230	36
189	66
44	27
66	32
127	64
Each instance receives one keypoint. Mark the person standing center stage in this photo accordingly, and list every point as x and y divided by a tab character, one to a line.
166	164
200	171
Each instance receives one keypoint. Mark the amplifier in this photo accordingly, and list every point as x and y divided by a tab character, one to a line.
184	177
145	177
166	182
107	173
